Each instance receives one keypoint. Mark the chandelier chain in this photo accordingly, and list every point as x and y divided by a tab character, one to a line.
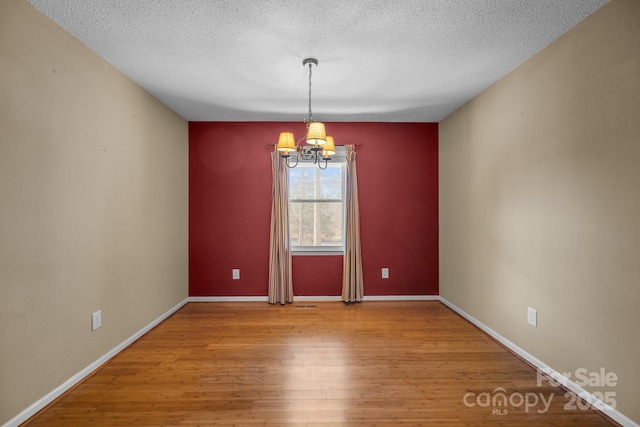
310	118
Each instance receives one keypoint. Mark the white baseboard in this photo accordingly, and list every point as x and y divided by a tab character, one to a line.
374	298
597	404
312	298
319	298
62	388
371	298
260	299
401	298
228	299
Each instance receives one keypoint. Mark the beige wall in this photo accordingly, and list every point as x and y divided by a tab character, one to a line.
93	206
540	202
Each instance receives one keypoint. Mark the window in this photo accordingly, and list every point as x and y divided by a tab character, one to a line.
316	207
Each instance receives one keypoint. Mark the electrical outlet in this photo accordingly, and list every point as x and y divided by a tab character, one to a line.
532	316
235	274
96	320
385	273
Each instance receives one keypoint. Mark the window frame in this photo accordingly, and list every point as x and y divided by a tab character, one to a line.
340	159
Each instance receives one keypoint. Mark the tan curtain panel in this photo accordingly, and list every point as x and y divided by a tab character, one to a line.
280	283
352	284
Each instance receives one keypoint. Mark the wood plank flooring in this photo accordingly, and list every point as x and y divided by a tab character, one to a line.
410	363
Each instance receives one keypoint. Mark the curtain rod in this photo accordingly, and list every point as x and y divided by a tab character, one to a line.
337	145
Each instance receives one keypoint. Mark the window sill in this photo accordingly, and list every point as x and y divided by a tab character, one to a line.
337	252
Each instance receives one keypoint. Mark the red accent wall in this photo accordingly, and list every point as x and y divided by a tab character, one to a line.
230	208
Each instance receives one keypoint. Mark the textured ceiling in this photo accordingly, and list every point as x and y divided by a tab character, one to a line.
379	60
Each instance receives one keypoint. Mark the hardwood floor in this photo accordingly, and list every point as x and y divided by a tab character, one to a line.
314	364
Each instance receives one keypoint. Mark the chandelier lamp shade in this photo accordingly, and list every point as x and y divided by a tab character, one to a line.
329	148
316	134
319	146
286	143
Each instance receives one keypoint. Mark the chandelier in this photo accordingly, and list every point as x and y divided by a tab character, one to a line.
320	146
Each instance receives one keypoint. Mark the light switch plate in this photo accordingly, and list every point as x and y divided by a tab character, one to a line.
96	320
532	316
